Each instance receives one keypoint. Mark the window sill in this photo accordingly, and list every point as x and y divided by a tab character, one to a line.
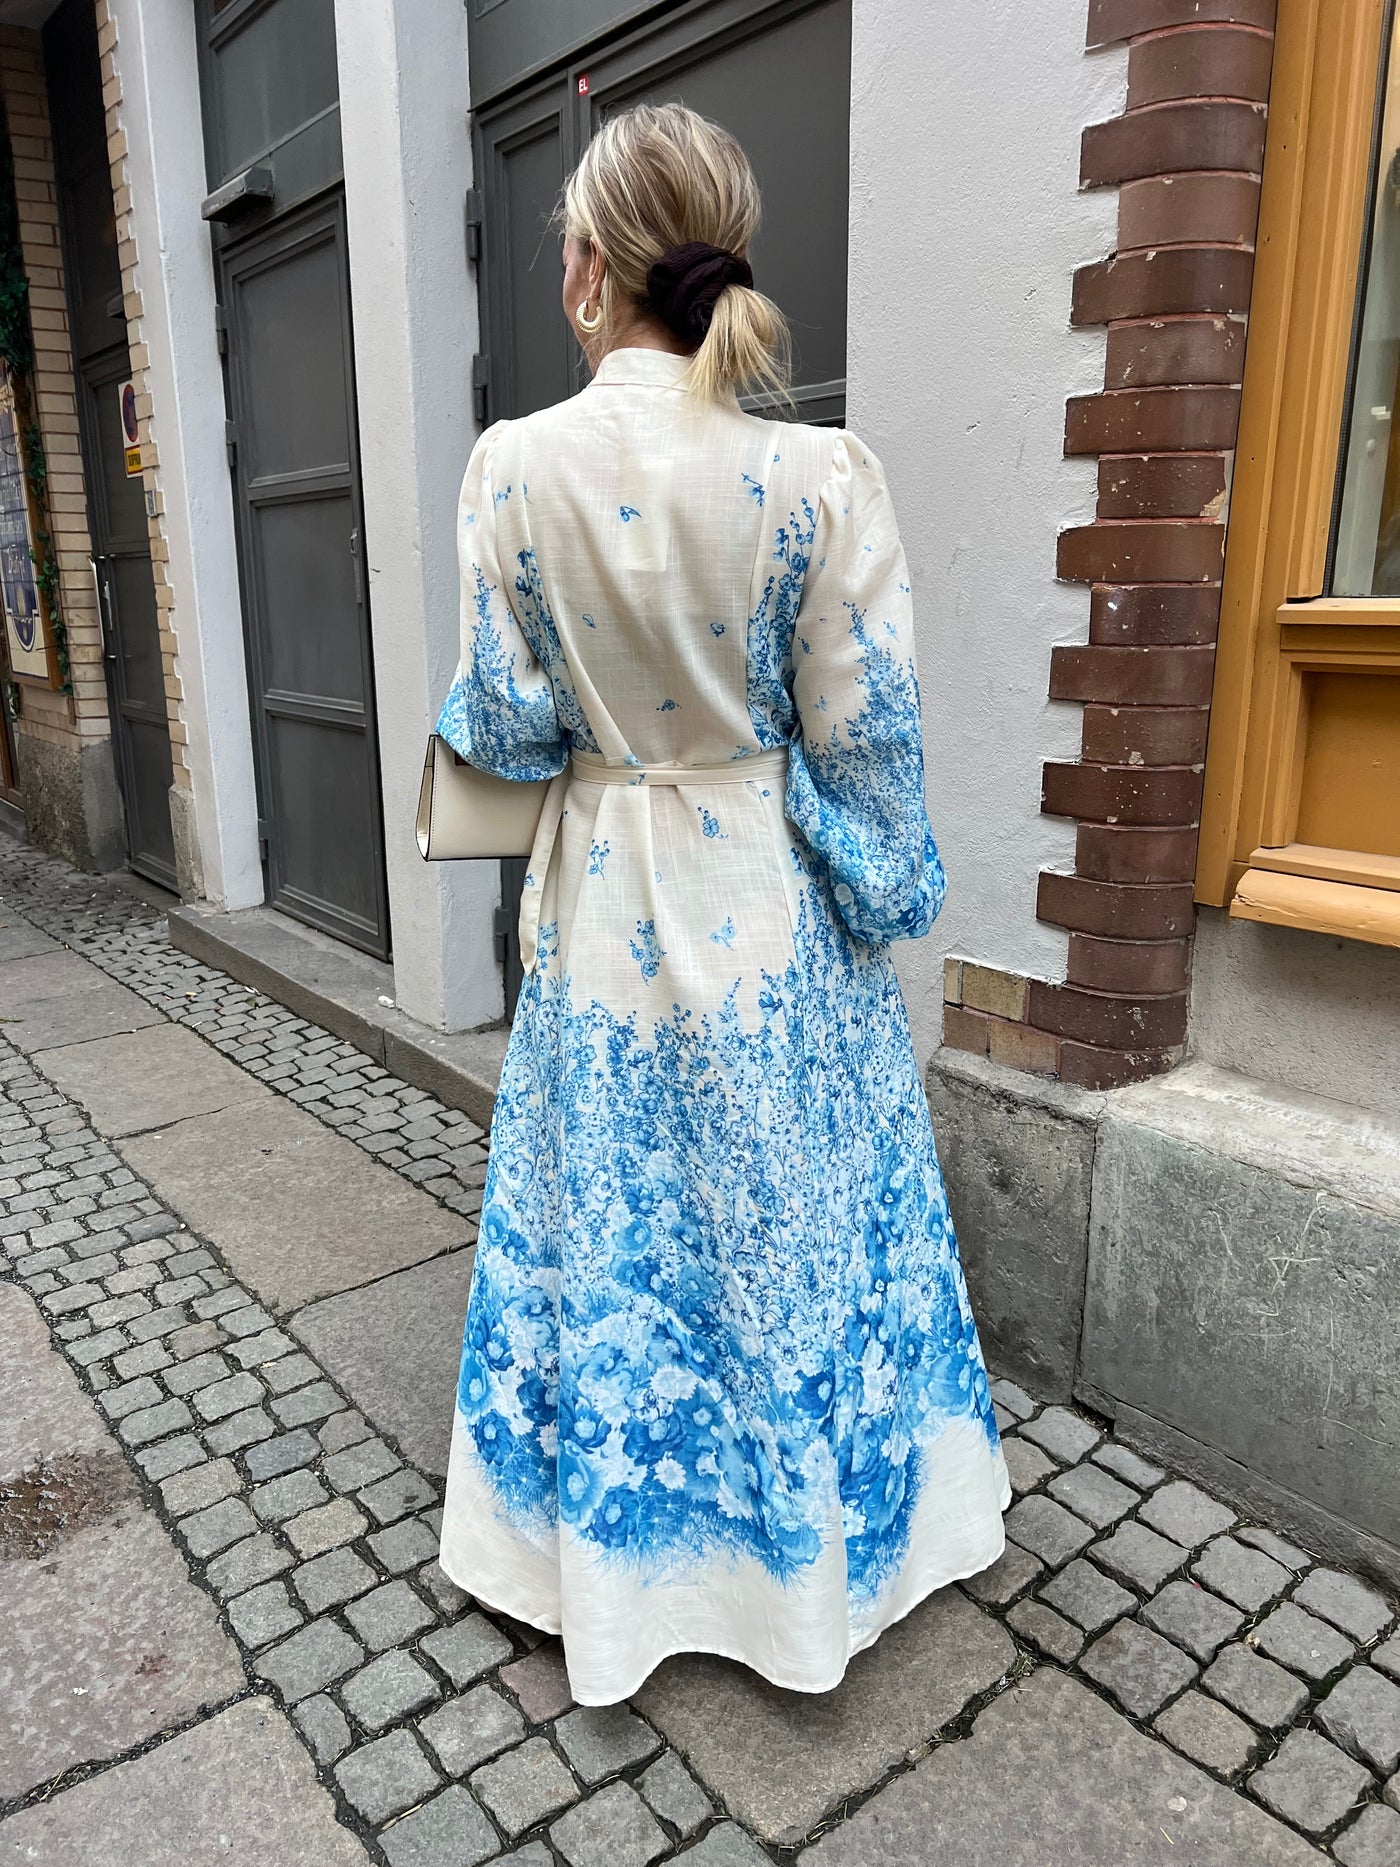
1344	909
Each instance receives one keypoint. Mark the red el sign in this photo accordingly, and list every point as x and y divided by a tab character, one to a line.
583	84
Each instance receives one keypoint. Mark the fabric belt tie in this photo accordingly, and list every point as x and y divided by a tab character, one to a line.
588	768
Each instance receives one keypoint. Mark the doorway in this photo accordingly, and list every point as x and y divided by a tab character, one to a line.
276	205
116	498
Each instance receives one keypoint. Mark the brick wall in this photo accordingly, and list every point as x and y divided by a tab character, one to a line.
1186	157
110	51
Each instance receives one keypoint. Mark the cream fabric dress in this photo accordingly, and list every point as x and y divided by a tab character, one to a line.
721	1388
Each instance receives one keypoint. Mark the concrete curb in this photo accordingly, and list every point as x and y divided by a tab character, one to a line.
332	985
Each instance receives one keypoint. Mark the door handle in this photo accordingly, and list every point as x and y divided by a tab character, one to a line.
103	591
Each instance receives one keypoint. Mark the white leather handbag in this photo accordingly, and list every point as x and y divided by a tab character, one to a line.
465	812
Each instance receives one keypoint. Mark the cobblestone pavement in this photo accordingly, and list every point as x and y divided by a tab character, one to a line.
226	1636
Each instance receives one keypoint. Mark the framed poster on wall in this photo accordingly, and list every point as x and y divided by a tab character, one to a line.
26	631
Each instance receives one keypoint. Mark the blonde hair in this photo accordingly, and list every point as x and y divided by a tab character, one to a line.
659	176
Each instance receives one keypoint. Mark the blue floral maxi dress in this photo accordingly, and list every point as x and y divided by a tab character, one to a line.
720	1389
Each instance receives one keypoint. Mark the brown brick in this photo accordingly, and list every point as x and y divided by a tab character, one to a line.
1162	282
1112	20
952	981
1155	551
1122	793
1146	421
1120	735
1088	1066
1117	911
1200	61
1178	210
1161	486
966	1030
1133	677
1157	612
1021	1047
1123	852
1108	1018
1170	139
1129	966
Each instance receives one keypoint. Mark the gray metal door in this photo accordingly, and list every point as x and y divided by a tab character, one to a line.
272	126
135	671
116	502
777	75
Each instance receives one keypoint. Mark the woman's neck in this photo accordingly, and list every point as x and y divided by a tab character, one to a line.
639	333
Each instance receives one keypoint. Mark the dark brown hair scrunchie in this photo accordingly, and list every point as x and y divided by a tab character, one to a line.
684	285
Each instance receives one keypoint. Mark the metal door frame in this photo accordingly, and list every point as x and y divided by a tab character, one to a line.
312	222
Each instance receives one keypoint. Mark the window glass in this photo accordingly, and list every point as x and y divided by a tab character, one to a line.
1367	552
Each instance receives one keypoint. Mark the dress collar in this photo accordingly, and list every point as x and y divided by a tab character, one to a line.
657	367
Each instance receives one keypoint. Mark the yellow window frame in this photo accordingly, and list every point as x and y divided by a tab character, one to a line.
1278	634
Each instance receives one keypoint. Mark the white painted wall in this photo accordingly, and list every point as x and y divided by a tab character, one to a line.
403	102
165	155
1303	1009
966	226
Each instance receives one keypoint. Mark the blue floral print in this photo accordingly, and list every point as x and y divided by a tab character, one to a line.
723	1390
496	718
647	950
770	631
709	822
538	627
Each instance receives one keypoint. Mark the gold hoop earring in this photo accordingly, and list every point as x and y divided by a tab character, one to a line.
586	324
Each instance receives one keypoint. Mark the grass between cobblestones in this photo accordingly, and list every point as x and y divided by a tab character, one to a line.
444	1731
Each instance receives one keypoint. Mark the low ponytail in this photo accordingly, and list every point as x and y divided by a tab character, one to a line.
669	200
747	347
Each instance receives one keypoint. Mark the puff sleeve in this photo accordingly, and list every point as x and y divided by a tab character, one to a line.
500	713
855	787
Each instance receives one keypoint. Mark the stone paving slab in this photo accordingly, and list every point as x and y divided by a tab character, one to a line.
394	1347
147	1078
43	1411
105	1640
78	1017
44	975
20	939
781	1760
299	1212
1052	1777
236	1791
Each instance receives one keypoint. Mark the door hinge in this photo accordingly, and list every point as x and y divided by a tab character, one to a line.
500	928
481	376
262	839
474	216
221	330
355	557
231	442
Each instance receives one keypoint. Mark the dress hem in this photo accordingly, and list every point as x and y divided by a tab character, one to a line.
555	1627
